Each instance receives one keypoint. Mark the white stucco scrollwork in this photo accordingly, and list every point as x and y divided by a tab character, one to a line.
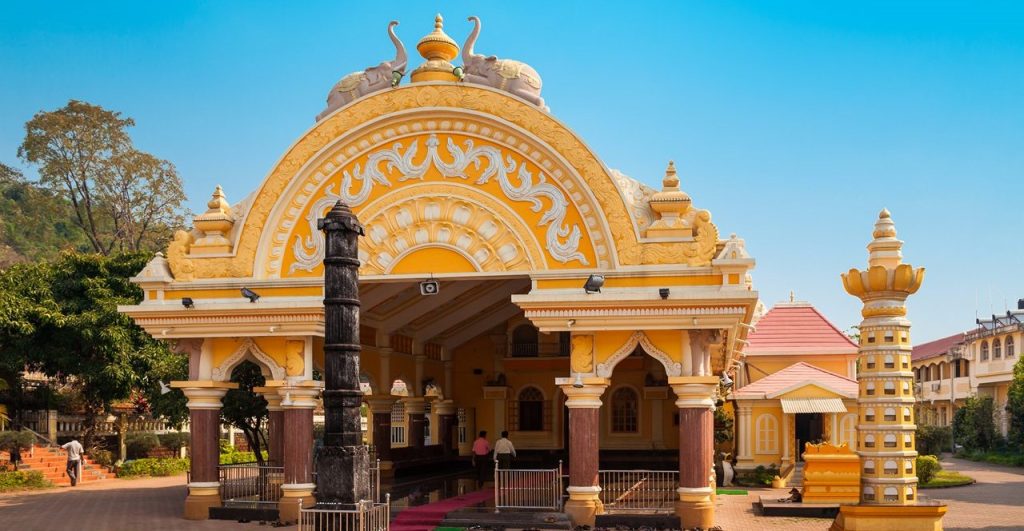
672	368
562	240
222	372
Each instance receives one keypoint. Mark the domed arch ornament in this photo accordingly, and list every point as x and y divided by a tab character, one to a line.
606	368
222	372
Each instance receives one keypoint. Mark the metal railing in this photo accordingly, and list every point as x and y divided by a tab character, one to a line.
638	490
247	483
527	488
366	516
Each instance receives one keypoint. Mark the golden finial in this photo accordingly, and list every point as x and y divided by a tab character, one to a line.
671	181
218	203
438	49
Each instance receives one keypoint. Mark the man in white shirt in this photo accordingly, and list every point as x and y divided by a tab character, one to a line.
75	451
504	451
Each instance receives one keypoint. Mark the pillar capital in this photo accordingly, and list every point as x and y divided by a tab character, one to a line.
444	407
587	396
380	404
300	395
269	393
694	391
204	394
415	405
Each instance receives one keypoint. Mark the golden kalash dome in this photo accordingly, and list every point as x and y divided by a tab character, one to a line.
438	49
671	204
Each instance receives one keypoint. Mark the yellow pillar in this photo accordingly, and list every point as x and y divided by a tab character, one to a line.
888	488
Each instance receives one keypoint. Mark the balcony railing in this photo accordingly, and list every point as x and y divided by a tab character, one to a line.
639	490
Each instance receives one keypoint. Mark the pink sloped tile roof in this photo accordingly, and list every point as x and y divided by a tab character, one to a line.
795	376
939	347
797	328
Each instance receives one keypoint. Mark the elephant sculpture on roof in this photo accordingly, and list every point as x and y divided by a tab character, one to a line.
374	78
514	77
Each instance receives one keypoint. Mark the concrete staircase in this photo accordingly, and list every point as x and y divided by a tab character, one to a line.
797	480
53	462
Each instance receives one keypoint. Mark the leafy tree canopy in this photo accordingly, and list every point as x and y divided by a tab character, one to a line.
35	223
1015	406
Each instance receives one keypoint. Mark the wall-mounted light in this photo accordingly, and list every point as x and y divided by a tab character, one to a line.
187	302
250	294
578	383
726	381
593	284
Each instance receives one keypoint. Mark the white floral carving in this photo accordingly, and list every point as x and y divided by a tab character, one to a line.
562	240
672	368
222	372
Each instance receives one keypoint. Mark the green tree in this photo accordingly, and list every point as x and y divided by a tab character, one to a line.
35	223
1015	407
246	410
60	318
123	199
974	424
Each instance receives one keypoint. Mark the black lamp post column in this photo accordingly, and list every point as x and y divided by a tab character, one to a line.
343	464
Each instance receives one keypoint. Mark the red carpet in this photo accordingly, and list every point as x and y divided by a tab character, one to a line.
427	517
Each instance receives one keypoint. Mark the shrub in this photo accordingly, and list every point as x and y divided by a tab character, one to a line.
933	440
927	467
22	480
225	446
10	440
974	424
234	458
153	467
139	444
174	440
102	457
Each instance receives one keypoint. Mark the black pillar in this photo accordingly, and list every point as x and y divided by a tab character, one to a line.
343	464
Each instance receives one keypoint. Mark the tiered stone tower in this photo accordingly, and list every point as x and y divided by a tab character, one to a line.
885	438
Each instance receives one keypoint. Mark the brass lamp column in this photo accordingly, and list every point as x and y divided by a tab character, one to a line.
885	432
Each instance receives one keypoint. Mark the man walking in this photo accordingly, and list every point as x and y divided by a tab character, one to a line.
75	451
481	451
504	451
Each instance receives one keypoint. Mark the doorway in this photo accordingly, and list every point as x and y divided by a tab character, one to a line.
810	427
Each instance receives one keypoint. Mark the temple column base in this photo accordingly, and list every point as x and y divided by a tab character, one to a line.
201	496
695	508
883	517
293	497
583	505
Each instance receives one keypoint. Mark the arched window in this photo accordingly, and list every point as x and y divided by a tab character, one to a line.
908	466
891	467
909	493
869	415
997	349
890	388
848	427
869	441
890	440
529	410
868	494
871	362
908	440
984	351
890	414
890	362
906	388
524	341
625	406
1009	347
891	494
906	361
869	467
908	414
767	434
870	388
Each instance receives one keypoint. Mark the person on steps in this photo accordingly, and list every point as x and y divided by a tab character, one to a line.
75	451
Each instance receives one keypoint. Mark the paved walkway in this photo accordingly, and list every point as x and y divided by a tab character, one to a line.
153	504
996	502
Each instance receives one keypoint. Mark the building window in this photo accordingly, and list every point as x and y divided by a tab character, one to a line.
997	349
890	388
868	494
565	344
870	388
890	468
871	362
890	362
908	466
917	375
767	434
984	351
869	442
890	414
398	423
869	415
909	493
524	342
848	428
908	440
907	414
529	412
1009	347
625	411
890	440
888	336
906	388
891	494
869	467
906	361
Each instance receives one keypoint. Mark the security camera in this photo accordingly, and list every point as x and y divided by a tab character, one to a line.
430	287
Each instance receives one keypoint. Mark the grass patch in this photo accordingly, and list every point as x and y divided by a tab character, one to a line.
947	478
732	492
23	480
996	458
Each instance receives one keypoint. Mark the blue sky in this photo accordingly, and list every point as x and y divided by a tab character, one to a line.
792	122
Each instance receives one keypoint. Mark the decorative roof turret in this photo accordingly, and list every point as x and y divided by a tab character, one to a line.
887	278
438	49
214	224
672	205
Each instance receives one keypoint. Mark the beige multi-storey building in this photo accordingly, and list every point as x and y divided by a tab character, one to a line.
977	362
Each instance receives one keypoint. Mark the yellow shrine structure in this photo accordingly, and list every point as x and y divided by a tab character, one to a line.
573	306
